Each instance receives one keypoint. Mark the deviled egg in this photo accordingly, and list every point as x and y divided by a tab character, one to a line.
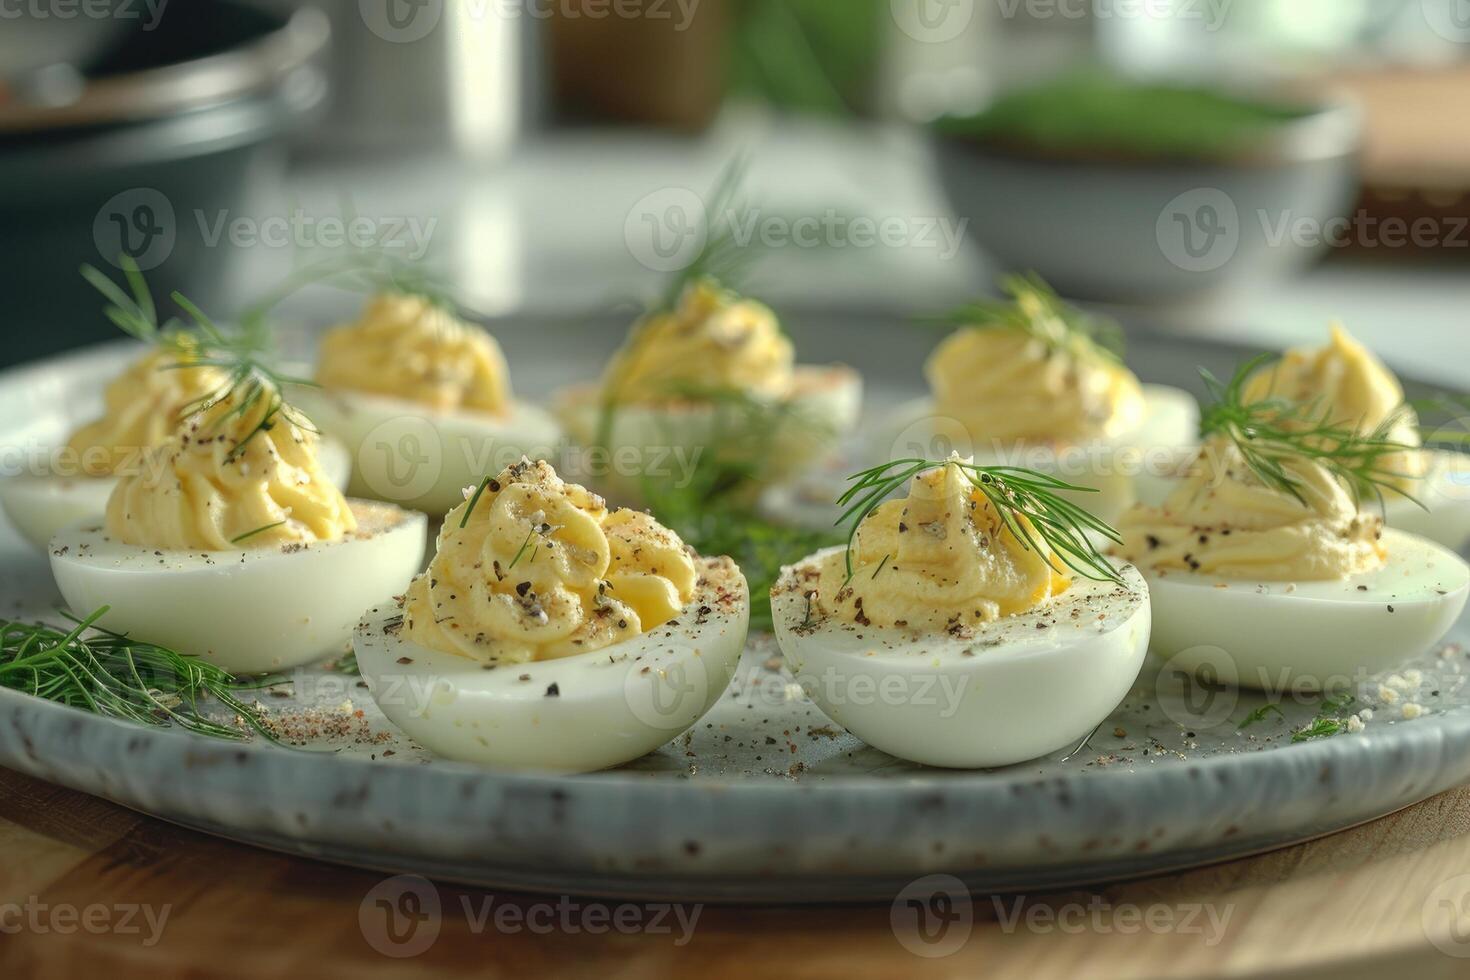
716	375
142	408
423	401
1346	385
1037	384
1266	570
551	633
959	628
231	543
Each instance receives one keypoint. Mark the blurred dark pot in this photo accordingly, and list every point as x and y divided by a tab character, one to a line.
156	141
1148	230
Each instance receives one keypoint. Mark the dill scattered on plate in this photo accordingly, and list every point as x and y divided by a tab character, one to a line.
1272	431
1013	492
112	675
1332	719
1259	715
1035	309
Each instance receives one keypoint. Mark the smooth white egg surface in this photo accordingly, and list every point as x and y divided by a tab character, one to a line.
571	714
1111	468
408	454
41	506
991	695
1445	496
1280	636
247	611
662	441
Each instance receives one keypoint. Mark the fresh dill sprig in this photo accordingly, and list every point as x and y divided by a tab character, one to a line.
1036	310
365	271
720	262
723	258
1014	492
1272	431
250	380
135	315
241	352
112	675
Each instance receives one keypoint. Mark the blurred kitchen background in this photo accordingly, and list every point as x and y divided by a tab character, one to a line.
1246	168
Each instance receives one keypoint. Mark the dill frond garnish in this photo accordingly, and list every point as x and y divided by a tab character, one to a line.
112	675
364	271
1036	310
723	258
252	387
1271	431
1014	492
242	353
134	315
720	262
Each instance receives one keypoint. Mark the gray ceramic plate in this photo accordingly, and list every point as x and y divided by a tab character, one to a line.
765	800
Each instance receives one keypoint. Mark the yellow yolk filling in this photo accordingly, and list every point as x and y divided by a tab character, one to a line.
1222	520
1003	384
541	569
143	406
407	347
712	341
237	474
1352	388
939	559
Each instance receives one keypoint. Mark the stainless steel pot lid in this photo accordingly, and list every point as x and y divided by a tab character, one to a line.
268	60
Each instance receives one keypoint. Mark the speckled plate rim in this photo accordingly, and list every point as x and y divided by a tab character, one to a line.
843	837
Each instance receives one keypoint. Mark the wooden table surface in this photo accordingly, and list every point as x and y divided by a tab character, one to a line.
89	886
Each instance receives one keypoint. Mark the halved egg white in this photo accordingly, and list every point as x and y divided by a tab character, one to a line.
572	714
1001	693
1110	467
251	611
1279	636
39	506
647	439
409	454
